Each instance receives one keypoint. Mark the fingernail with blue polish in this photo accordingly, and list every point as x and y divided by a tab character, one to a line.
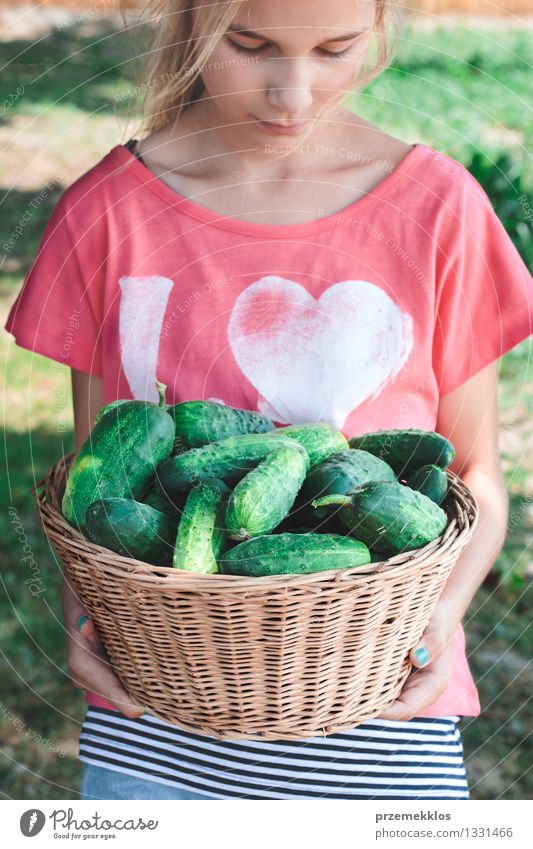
422	656
81	622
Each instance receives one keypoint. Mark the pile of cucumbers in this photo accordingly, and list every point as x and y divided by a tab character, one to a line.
208	488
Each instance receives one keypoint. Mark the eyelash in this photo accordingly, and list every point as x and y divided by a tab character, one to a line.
250	51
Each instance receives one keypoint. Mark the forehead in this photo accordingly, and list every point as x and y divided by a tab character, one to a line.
305	19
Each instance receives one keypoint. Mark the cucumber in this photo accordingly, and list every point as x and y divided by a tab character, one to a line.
119	457
342	472
285	554
300	529
107	407
388	516
132	529
230	460
301	513
201	536
319	440
407	450
263	498
201	422
322	521
431	480
159	500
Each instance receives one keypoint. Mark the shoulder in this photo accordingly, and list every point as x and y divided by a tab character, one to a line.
95	191
433	173
370	144
449	179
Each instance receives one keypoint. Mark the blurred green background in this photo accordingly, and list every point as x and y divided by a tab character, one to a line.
462	88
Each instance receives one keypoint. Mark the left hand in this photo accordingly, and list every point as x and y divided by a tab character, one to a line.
430	678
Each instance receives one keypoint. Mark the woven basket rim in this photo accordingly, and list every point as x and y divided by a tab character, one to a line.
46	491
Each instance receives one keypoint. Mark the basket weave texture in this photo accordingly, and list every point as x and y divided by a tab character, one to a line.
275	658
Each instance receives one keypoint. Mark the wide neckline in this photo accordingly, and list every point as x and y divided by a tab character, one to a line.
142	173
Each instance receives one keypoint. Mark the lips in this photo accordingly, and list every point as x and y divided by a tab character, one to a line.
289	129
285	126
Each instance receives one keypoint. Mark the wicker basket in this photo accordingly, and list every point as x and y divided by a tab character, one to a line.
283	657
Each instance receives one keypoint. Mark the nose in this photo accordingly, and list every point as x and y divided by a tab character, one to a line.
289	87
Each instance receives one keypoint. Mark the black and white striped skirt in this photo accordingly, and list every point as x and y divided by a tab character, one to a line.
417	759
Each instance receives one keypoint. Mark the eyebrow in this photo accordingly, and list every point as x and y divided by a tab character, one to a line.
237	29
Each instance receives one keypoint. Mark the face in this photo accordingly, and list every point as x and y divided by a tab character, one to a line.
282	61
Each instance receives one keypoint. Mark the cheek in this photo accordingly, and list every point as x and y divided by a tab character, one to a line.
233	81
329	82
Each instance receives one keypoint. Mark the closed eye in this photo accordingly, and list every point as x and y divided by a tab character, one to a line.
255	51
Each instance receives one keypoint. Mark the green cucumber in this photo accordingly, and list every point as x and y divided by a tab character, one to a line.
230	460
119	457
159	500
342	472
407	450
431	480
302	514
132	529
388	516
160	388
319	440
263	498
285	554
201	537
201	422
110	406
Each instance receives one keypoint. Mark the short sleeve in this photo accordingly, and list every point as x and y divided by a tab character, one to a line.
484	291
58	310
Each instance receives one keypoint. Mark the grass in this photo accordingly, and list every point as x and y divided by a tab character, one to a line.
444	89
459	91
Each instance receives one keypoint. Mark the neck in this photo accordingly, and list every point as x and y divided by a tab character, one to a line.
232	149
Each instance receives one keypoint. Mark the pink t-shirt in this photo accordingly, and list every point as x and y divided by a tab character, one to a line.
363	318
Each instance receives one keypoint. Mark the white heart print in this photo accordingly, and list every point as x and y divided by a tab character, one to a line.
317	360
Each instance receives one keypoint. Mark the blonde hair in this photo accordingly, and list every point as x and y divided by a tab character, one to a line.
170	73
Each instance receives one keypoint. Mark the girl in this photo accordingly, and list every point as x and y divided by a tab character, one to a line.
265	247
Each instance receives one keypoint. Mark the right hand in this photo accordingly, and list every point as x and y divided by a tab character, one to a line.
87	661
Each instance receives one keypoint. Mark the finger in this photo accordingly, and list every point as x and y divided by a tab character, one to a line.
432	645
420	690
91	671
397	712
99	679
421	655
86	627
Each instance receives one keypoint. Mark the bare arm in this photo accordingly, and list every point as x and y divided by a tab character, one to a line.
468	416
87	399
87	662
